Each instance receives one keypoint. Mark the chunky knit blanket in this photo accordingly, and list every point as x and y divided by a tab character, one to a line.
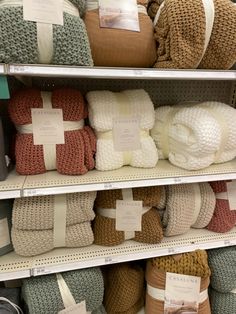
75	156
42	294
187	205
33	220
124	288
193	136
19	38
193	264
104	226
182	30
104	106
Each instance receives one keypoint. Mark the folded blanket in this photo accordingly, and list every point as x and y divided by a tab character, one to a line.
104	106
11	294
118	47
195	135
104	227
42	294
224	217
194	33
193	264
24	41
124	288
187	205
73	157
222	302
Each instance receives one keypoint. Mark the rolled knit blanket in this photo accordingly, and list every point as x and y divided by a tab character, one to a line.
24	41
35	222
124	288
193	264
193	136
120	47
104	106
75	156
194	34
42	294
104	227
187	205
224	217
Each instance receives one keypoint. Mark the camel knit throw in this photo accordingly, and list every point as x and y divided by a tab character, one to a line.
124	288
193	264
103	107
42	294
224	218
33	221
72	158
18	37
193	136
187	205
180	33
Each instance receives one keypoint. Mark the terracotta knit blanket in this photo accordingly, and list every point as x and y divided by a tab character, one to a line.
193	136
118	47
38	222
194	34
193	264
75	156
24	41
104	107
187	205
104	227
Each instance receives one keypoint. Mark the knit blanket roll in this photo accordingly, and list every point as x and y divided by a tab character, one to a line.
42	294
18	38
103	107
187	205
193	136
72	158
180	34
224	217
222	302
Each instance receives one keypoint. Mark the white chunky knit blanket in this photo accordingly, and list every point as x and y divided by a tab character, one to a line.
195	135
104	106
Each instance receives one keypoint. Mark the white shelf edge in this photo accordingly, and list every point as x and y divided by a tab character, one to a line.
3	68
15	275
10	194
118	73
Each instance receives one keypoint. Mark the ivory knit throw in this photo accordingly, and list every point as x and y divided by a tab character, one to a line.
74	157
181	32
103	107
195	135
19	38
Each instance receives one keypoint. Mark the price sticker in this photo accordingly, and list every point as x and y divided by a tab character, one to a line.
110	260
108	186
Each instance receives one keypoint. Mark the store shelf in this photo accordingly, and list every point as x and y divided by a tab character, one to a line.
12	186
14	266
118	73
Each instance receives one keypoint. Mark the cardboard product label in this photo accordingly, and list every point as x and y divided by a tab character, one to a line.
231	190
4	233
126	133
122	14
129	215
43	11
47	126
79	308
182	293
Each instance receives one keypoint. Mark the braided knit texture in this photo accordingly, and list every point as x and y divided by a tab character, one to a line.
18	39
180	35
76	156
124	288
224	219
222	302
103	107
42	294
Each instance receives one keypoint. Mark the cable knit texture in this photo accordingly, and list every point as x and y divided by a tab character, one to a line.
124	288
42	294
193	136
104	228
224	218
180	35
33	222
193	264
18	38
104	106
72	158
